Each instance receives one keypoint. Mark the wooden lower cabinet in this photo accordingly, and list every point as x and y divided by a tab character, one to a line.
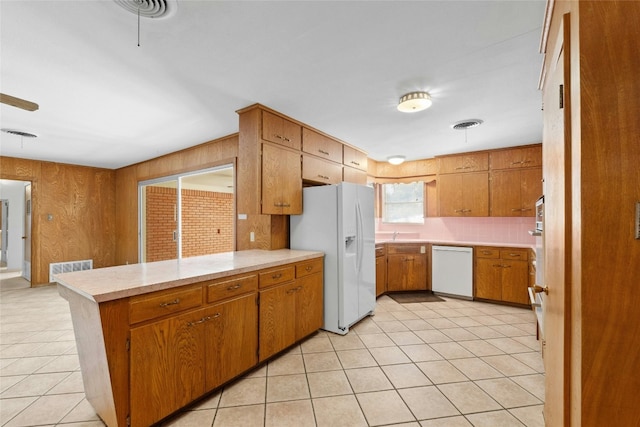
189	355
406	267
289	312
502	274
381	275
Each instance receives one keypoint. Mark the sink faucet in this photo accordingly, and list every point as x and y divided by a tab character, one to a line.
395	234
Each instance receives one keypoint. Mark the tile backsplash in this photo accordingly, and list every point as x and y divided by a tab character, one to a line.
489	230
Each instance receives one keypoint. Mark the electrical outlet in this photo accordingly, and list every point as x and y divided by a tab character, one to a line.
252	236
637	225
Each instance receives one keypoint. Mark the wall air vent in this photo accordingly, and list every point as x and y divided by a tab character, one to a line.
149	8
68	267
466	124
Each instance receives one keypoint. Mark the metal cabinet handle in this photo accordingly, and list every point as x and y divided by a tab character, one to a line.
197	322
323	176
326	153
276	276
355	163
514	255
537	289
308	268
174	302
234	287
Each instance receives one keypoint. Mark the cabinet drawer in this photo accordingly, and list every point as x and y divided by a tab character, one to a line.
279	275
354	175
519	254
406	249
309	267
157	304
318	170
321	146
487	253
236	286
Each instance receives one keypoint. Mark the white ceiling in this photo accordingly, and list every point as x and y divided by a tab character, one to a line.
339	66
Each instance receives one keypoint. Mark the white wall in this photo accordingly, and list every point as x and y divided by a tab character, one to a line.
14	192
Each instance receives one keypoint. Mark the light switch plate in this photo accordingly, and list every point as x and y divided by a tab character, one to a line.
423	249
637	220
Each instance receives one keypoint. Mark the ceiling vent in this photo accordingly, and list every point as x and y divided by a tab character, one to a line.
149	8
466	124
19	133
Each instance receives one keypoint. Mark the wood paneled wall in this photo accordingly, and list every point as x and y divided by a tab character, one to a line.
213	153
81	202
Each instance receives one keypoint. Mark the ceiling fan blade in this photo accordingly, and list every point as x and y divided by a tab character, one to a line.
17	102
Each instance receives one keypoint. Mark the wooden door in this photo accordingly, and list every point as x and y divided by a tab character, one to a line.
277	319
488	277
309	305
515	280
557	230
231	339
167	366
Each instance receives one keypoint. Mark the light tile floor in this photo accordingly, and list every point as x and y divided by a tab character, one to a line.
452	363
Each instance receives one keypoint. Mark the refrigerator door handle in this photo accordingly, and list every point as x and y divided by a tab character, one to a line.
359	230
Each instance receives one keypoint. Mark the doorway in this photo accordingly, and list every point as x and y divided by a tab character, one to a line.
15	237
187	215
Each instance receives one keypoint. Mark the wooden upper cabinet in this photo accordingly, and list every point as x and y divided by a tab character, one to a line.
321	171
470	162
525	157
514	192
464	194
281	131
356	176
354	158
281	181
320	145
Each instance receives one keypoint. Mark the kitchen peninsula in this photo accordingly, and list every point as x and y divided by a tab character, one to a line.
154	337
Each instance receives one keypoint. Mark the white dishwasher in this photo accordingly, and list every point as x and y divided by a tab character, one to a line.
452	270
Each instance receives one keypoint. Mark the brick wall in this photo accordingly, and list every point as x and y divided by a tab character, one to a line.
207	223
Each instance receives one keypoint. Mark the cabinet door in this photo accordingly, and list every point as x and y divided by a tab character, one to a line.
321	146
277	319
322	171
464	163
475	194
309	305
395	272
450	195
488	276
530	190
354	175
505	193
281	131
416	272
515	279
231	339
281	181
167	366
381	275
354	158
517	158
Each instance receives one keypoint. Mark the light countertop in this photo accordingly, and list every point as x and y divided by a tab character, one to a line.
111	283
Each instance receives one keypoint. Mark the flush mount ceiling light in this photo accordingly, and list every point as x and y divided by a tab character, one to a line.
413	102
395	160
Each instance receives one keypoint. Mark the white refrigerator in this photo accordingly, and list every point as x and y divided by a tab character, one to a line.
339	221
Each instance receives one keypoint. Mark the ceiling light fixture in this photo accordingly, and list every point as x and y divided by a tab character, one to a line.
413	102
395	160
